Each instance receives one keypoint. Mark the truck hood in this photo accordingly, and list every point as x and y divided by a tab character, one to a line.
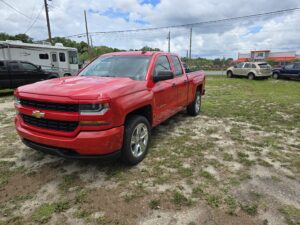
83	87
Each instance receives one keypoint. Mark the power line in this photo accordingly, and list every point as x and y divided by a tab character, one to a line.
36	18
18	11
191	24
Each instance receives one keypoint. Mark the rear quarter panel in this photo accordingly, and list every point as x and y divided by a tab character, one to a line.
196	80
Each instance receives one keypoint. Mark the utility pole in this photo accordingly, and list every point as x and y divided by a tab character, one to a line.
86	29
48	21
191	31
91	41
169	41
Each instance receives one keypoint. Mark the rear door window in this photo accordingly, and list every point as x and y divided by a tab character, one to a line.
247	65
28	66
14	66
253	66
177	66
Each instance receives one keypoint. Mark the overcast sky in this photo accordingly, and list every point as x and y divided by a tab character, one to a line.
277	32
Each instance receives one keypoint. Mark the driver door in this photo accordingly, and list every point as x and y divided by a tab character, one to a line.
165	92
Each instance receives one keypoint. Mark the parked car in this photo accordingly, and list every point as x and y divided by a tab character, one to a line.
108	110
252	70
289	71
17	73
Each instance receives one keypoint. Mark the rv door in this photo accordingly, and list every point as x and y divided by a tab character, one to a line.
54	62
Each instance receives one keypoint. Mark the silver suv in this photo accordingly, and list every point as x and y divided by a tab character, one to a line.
251	70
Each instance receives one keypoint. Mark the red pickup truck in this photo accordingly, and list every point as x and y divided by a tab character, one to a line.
109	108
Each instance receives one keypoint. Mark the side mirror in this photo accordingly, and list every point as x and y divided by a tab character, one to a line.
187	70
163	75
39	68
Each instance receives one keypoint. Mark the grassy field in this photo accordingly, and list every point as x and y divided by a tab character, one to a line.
236	163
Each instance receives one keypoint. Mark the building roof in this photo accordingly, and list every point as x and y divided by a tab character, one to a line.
241	60
287	58
260	50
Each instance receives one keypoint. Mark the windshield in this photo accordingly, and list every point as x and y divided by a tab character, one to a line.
134	67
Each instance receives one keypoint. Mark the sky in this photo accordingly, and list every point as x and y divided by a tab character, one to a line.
279	32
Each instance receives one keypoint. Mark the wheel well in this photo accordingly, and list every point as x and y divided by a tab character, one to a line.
229	71
199	88
145	111
251	73
67	74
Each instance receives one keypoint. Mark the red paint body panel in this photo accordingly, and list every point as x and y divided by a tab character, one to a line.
124	95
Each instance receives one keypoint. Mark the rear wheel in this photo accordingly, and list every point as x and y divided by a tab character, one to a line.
229	74
251	76
137	135
276	76
193	109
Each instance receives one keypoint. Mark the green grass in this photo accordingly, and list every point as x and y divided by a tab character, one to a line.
255	101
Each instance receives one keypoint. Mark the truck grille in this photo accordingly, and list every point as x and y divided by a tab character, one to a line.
50	124
50	105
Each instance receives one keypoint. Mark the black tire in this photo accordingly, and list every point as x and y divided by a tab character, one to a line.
275	76
193	109
229	74
132	123
251	76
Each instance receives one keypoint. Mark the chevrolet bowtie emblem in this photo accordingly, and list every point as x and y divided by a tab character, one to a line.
38	114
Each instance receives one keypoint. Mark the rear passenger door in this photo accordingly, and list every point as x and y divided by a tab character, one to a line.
181	82
4	76
165	92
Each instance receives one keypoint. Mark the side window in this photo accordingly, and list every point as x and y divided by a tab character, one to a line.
162	64
297	66
289	67
44	56
253	66
62	57
28	66
14	66
2	66
240	65
247	65
177	66
54	57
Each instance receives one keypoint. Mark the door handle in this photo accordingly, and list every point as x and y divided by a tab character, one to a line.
173	85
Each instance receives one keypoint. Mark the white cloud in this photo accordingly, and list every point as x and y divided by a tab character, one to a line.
277	32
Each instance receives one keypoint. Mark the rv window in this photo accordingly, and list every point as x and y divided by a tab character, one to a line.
62	57
28	66
44	56
73	58
54	58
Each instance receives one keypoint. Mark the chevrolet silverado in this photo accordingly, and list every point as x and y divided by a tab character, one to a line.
109	108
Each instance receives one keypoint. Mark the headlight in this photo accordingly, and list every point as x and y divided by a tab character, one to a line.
17	101
99	109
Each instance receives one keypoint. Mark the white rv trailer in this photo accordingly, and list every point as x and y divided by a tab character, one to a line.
57	58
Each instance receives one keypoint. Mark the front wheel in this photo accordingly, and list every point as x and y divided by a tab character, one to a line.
275	76
193	109
137	135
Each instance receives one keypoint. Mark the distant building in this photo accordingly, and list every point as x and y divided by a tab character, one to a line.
279	58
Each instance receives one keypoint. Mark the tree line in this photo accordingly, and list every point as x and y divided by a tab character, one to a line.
86	53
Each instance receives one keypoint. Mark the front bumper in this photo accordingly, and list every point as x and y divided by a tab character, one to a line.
85	143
